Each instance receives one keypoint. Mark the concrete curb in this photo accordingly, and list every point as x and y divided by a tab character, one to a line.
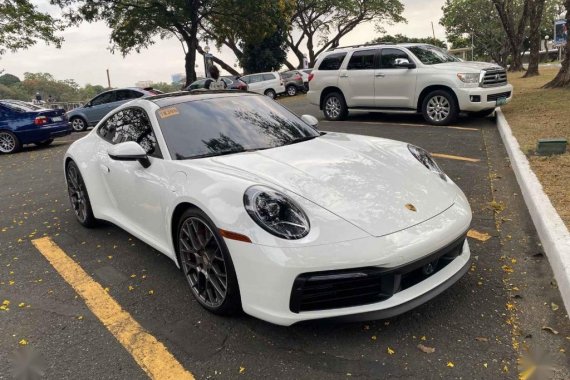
551	229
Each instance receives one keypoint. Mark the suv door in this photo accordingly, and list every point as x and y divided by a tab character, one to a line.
256	83
100	106
357	80
395	87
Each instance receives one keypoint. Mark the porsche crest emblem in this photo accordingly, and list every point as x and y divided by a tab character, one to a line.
411	207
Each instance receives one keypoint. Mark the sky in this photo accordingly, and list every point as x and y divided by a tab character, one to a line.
85	54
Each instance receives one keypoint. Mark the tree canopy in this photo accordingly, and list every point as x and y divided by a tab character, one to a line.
400	38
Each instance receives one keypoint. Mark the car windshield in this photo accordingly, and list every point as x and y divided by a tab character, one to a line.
226	125
430	55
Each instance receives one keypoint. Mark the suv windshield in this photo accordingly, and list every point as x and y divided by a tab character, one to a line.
226	125
430	55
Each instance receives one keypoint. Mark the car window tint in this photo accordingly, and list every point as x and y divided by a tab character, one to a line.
128	95
131	124
332	62
107	97
223	125
269	76
256	78
389	56
362	60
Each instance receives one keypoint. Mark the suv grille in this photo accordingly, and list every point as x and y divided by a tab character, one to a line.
360	286
494	77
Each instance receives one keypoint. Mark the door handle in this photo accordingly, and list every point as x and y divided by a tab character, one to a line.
380	75
344	75
104	168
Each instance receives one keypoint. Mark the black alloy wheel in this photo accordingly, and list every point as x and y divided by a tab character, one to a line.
78	196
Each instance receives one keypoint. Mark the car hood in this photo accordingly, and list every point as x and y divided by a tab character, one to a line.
369	182
464	66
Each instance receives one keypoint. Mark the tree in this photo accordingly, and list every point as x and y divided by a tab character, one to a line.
400	38
536	9
22	25
465	20
266	55
322	23
562	79
509	11
9	79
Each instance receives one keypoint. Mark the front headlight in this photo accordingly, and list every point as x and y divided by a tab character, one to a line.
425	158
468	77
276	213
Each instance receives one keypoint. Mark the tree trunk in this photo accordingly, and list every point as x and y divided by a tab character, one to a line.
514	33
562	79
535	15
190	62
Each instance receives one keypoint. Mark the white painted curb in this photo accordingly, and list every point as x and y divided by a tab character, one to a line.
552	231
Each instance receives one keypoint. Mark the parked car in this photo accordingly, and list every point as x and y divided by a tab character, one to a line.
95	109
406	78
231	82
263	212
22	123
270	83
293	82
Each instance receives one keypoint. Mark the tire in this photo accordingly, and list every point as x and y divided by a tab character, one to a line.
440	108
291	90
206	263
78	124
334	107
79	197
44	143
271	93
483	113
9	143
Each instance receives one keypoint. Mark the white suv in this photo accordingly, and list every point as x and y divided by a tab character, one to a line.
406	78
269	83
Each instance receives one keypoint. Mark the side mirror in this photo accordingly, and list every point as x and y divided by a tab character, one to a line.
129	151
311	120
404	63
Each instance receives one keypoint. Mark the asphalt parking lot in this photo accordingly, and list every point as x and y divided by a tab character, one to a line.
505	314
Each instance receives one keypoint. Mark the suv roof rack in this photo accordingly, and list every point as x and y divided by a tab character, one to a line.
360	45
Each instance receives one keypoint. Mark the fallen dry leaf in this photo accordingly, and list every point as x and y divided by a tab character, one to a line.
450	364
426	349
241	369
481	236
527	373
481	339
550	330
553	306
390	351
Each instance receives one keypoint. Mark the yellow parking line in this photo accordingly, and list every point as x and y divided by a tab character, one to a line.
149	353
452	157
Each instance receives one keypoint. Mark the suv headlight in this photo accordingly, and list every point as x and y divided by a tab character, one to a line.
276	213
426	160
468	77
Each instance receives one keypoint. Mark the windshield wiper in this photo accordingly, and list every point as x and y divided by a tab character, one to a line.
224	152
301	139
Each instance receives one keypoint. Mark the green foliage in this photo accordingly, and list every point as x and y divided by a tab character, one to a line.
22	25
400	38
268	54
166	87
9	79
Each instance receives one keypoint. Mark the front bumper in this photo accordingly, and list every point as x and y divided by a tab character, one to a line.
266	275
486	96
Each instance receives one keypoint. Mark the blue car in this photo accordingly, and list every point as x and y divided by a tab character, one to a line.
23	123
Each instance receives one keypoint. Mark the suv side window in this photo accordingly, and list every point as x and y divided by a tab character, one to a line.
268	77
255	78
128	95
362	60
389	56
332	62
131	124
107	97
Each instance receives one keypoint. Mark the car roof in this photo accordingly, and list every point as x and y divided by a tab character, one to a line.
343	49
172	98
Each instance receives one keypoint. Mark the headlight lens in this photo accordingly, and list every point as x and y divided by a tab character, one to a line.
276	213
468	77
425	158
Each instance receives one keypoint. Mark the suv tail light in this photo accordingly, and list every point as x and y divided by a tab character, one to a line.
40	120
311	76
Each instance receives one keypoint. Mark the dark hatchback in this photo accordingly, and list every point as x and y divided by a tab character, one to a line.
22	123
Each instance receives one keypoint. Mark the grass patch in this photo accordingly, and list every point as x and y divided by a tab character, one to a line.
542	113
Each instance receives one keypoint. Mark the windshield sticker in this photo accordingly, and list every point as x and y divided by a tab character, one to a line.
168	112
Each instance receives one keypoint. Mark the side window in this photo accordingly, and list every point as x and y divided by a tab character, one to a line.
255	78
107	97
268	77
362	60
128	95
389	56
131	124
245	79
332	62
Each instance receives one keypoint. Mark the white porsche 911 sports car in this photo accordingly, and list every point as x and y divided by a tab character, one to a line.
262	212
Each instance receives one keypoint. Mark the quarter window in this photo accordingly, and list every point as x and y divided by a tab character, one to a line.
131	124
268	77
107	97
362	60
388	58
332	62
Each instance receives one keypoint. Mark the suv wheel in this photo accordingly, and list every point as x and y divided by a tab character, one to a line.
439	108
78	124
271	93
334	107
291	90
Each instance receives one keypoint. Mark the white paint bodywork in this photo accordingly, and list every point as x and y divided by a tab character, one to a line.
352	188
401	88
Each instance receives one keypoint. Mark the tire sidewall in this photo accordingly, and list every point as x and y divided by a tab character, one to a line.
232	303
453	112
270	93
292	89
17	144
343	109
90	220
